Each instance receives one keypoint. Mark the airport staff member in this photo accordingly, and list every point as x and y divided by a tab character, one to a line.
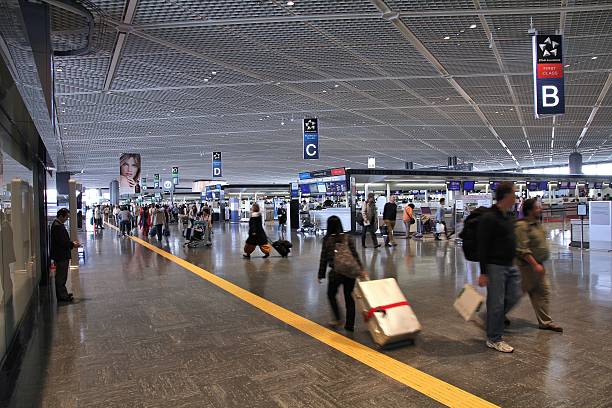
533	250
60	248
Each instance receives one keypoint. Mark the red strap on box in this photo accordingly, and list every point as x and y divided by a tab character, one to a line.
368	316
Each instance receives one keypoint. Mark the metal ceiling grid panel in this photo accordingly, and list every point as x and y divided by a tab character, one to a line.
157	11
487	90
598	23
108	8
420	5
509	4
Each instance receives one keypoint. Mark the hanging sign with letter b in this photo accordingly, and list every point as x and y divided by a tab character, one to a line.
548	82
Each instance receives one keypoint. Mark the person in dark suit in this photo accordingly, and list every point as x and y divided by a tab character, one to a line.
60	247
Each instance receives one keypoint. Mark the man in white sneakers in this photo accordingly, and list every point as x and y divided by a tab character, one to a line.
497	251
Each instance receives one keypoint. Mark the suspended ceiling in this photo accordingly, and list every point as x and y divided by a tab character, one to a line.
411	80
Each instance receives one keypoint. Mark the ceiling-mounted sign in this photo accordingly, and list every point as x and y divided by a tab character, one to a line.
549	89
310	129
175	176
143	182
217	165
167	185
371	162
156	181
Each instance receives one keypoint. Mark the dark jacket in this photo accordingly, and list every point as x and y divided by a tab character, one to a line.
60	243
282	216
327	252
390	212
496	239
257	235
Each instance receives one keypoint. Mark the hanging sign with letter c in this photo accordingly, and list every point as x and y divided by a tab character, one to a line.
311	139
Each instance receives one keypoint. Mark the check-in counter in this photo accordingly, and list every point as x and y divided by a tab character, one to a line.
319	217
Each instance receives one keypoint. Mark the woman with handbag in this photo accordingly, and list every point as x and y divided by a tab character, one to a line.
257	235
340	255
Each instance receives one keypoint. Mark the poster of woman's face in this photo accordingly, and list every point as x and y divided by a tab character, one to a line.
129	171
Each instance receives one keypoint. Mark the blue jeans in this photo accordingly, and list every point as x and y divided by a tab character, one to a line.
503	293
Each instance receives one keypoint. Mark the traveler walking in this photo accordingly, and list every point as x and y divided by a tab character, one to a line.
389	216
334	239
126	221
207	220
282	218
159	220
116	212
440	220
144	221
369	213
257	235
106	213
496	252
408	218
533	250
60	247
98	217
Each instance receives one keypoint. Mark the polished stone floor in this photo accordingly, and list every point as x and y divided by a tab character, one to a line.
147	333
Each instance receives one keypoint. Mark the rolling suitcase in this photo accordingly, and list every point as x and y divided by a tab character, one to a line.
389	316
283	247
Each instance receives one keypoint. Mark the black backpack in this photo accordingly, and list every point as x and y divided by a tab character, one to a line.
469	235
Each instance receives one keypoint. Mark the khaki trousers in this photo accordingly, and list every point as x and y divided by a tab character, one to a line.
537	286
390	226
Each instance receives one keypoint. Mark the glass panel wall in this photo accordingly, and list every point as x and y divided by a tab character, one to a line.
19	245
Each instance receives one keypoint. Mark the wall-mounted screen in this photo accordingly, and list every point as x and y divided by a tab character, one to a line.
321	188
453	185
469	185
571	185
563	185
598	185
305	188
493	185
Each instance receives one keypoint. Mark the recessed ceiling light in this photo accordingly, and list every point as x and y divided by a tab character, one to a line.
59	69
290	3
462	31
63	103
214	73
447	99
567	65
205	79
324	91
593	58
447	37
335	86
473	26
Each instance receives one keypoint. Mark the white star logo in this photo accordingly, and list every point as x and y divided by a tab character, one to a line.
549	47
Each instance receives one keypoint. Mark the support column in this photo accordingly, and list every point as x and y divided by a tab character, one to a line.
388	192
72	202
114	192
18	219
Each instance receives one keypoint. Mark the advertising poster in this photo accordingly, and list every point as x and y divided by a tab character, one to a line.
129	172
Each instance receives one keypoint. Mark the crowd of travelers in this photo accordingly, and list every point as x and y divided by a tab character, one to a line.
507	240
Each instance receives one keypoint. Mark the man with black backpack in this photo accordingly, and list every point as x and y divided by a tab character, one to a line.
496	243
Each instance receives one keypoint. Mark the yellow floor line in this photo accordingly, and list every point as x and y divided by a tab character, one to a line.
426	384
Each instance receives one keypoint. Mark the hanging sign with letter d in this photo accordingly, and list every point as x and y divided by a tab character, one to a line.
311	139
217	165
548	83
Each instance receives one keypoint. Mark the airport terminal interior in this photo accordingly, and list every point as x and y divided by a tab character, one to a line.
306	203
